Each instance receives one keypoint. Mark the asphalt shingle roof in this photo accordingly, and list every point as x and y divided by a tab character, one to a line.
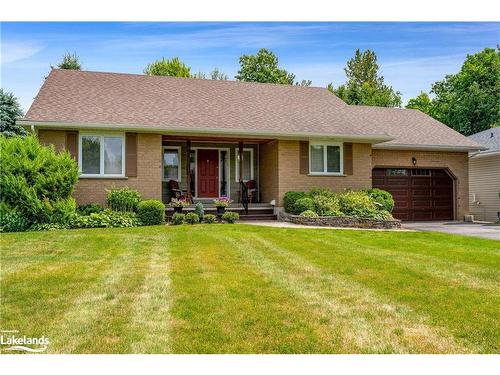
88	98
489	138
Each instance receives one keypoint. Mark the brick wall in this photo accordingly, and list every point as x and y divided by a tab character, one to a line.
148	180
291	179
268	169
54	137
455	162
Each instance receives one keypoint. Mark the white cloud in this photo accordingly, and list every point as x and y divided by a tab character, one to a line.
15	51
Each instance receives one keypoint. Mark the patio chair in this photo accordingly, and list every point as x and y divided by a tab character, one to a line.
175	192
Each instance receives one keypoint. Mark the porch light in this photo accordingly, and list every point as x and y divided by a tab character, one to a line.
414	160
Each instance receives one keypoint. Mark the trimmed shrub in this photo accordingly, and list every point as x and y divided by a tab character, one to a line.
199	210
88	209
178	218
123	199
383	199
327	205
320	191
290	198
303	204
35	179
151	212
309	213
192	218
209	218
357	203
230	217
106	219
12	221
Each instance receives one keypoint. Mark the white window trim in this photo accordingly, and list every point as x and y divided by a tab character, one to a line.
325	161
101	156
237	164
179	170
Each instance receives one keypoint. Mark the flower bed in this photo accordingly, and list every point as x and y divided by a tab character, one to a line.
340	221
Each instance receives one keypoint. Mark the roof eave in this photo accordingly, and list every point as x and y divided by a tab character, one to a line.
482	154
369	138
452	148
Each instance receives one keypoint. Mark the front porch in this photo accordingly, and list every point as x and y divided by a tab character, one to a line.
205	168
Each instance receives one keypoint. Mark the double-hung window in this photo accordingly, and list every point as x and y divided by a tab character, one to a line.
325	158
102	155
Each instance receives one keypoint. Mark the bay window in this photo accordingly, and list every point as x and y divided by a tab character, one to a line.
102	155
325	158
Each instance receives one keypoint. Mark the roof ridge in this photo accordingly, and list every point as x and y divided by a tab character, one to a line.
227	81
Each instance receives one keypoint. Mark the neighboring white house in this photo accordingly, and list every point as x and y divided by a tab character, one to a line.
484	176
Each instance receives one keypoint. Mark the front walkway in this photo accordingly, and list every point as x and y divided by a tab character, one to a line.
456	227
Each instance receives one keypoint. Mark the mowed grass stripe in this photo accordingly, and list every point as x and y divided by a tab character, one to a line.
457	273
97	321
447	304
223	304
367	323
150	322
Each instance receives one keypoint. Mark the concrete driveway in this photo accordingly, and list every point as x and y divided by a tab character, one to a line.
456	227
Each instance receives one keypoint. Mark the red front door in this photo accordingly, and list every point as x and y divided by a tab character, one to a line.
208	173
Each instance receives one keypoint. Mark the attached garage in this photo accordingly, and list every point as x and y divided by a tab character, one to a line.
419	194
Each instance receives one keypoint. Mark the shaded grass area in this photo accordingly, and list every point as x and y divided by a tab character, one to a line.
249	289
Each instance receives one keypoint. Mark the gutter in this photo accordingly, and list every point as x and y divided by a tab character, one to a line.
452	148
480	154
373	139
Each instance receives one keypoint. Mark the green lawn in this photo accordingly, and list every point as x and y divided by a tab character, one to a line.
249	289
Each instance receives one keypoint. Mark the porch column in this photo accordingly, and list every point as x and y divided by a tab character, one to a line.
240	166
188	170
240	161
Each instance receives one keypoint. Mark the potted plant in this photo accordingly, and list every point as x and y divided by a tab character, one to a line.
221	204
178	204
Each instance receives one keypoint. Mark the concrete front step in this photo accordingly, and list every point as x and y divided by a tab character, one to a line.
250	217
255	212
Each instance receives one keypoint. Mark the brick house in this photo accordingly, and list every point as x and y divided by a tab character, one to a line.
144	132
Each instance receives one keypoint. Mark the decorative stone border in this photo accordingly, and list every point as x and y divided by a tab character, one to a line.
340	221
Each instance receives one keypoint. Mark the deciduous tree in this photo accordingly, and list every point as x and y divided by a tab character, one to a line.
168	67
263	67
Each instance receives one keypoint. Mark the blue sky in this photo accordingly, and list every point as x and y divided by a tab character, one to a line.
411	55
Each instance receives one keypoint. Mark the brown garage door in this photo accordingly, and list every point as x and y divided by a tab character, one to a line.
419	194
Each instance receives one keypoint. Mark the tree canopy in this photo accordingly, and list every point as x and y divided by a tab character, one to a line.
468	101
10	110
422	102
364	85
168	67
263	67
70	62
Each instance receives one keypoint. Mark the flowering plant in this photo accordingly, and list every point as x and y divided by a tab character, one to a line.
181	202
222	202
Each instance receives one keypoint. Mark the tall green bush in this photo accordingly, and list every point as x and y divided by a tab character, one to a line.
151	212
36	181
123	199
